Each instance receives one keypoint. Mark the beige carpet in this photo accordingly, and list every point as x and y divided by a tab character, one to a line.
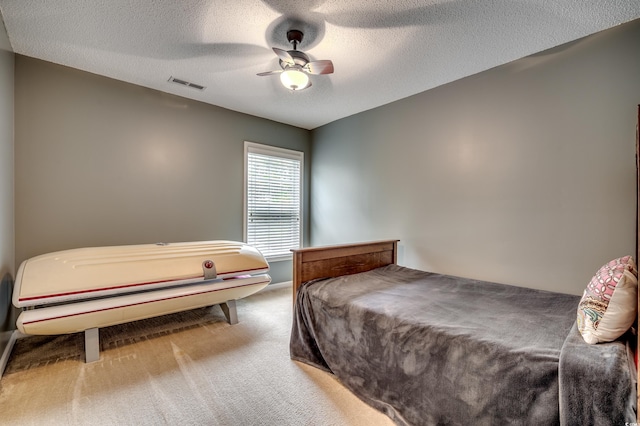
191	368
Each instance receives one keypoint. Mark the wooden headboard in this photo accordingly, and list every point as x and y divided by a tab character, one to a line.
333	261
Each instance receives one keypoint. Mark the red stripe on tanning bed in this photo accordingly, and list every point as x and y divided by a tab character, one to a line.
71	293
142	303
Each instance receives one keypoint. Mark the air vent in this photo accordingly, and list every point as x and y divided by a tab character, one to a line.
186	83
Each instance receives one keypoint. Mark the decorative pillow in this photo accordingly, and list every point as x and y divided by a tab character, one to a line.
608	306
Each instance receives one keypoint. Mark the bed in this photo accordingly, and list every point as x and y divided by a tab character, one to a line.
429	349
85	289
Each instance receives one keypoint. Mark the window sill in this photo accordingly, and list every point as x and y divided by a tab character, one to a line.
283	258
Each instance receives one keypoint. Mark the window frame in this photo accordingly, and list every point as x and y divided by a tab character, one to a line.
262	149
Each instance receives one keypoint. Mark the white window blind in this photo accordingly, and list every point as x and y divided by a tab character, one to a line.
273	213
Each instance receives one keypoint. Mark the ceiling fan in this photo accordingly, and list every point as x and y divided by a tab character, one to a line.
296	65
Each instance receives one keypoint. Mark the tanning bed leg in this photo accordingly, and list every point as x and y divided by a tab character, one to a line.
230	311
91	345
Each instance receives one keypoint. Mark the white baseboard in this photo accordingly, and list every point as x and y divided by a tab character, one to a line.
6	353
277	286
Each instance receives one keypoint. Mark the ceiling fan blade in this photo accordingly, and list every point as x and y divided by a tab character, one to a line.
319	67
228	50
284	56
261	74
436	13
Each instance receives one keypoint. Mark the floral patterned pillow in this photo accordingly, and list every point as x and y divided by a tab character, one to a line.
608	306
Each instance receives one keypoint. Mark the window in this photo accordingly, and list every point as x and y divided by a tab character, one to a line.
273	200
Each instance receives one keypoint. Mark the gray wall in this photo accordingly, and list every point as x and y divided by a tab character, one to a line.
524	174
100	162
7	255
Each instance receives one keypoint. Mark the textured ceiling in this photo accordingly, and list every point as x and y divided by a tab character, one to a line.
382	50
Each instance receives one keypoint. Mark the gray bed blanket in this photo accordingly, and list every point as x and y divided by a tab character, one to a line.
597	382
431	349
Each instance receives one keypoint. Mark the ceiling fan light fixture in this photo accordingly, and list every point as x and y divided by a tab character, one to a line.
294	79
296	65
